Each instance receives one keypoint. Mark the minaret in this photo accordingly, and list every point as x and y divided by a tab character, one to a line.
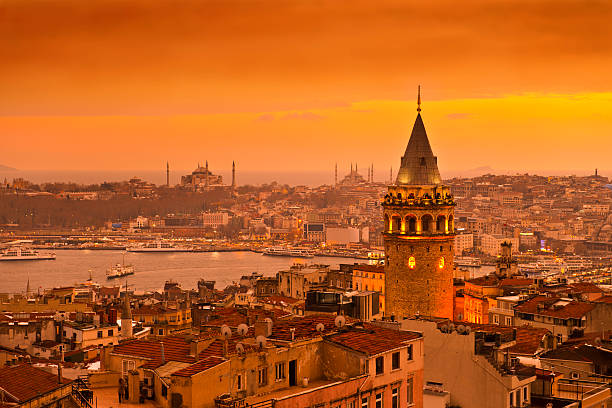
372	171
351	168
391	175
28	288
336	175
126	316
206	179
233	175
419	234
167	174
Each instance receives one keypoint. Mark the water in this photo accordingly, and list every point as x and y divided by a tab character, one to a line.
152	270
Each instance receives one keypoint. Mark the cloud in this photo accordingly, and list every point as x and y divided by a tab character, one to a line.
303	116
458	115
266	117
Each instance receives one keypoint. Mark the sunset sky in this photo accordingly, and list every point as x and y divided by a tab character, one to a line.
299	85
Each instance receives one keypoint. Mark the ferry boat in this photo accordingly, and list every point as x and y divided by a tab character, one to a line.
24	254
292	252
119	271
159	246
468	261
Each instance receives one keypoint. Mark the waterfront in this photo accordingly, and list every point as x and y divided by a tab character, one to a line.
152	270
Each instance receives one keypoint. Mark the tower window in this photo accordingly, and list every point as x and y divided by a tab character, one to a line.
427	248
441	248
422	161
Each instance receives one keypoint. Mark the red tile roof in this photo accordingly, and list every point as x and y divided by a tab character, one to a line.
25	382
516	282
369	268
585	287
175	349
200	366
572	310
528	340
305	327
372	340
604	299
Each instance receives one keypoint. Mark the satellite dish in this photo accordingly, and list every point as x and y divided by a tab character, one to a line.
468	329
243	329
226	331
261	341
239	348
461	329
451	327
268	320
444	328
320	327
340	321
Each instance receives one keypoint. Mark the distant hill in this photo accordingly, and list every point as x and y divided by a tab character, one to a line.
6	168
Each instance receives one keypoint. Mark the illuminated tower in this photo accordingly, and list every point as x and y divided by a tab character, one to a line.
419	234
167	174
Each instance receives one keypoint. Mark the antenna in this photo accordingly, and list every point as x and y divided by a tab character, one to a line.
243	329
261	341
226	331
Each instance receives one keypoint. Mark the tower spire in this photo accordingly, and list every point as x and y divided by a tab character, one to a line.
167	174
419	100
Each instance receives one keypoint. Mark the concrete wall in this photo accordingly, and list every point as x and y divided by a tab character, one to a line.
471	380
24	335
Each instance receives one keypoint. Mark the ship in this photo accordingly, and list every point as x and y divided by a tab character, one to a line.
159	246
292	252
119	271
18	253
467	261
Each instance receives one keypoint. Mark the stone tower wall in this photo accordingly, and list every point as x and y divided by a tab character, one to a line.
426	289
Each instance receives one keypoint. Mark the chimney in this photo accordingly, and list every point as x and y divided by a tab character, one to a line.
261	328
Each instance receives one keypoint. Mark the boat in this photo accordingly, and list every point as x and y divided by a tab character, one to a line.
119	271
18	253
159	246
292	252
468	261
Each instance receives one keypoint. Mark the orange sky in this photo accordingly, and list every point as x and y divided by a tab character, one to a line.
290	85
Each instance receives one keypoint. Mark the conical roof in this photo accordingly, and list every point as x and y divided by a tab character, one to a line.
419	165
126	312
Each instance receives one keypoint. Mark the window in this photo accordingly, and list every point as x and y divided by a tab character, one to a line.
496	319
511	399
524	393
263	376
380	365
409	391
508	321
99	334
280	371
126	366
239	382
395	398
164	391
364	402
350	404
110	333
409	349
160	332
395	361
379	400
574	375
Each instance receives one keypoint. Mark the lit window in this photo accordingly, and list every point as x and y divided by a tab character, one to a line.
364	402
411	262
441	263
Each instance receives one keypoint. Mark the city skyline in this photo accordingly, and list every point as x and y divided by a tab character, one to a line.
280	81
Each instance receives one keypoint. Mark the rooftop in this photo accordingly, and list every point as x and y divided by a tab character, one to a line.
24	382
